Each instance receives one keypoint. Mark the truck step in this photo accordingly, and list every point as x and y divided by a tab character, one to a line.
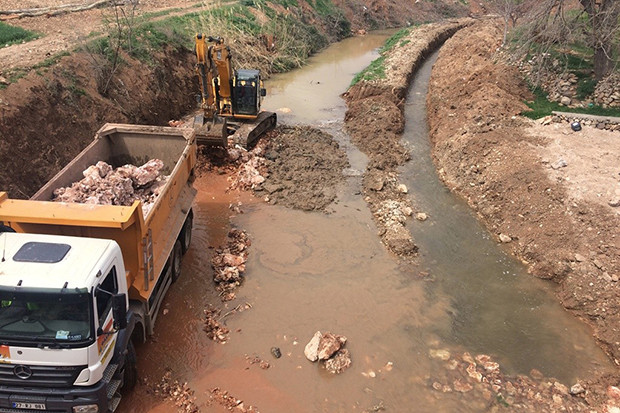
113	404
109	372
113	388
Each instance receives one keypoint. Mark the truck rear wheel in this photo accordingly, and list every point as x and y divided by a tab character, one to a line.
186	232
177	254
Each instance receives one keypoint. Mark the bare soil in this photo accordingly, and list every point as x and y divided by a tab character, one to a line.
547	188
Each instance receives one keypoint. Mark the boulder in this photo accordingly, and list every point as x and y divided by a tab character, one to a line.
329	345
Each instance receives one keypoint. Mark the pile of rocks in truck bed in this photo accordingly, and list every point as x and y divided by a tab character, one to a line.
104	185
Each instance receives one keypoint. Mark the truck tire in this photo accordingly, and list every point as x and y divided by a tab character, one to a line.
130	373
186	233
177	254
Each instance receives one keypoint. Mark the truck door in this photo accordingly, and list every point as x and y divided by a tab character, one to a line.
104	319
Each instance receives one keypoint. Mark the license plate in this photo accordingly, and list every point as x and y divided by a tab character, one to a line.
34	406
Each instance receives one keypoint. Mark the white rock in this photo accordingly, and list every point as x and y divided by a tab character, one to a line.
312	348
421	216
504	238
402	188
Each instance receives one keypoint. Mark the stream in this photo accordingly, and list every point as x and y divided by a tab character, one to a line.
330	272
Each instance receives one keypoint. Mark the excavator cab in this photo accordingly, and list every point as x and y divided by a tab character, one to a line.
247	92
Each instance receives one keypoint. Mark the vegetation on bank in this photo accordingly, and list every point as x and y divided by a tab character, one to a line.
12	34
541	107
560	37
376	69
247	27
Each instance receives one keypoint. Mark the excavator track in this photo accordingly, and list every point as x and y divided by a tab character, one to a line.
248	133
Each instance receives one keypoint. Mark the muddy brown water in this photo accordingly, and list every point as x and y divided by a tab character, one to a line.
329	272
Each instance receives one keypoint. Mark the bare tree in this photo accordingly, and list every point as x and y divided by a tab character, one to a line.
556	24
511	11
603	17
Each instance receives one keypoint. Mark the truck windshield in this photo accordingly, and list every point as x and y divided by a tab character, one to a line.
45	317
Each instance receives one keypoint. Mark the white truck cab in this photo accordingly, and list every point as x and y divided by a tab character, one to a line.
63	305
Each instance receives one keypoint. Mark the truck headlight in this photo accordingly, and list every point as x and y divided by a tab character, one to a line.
87	408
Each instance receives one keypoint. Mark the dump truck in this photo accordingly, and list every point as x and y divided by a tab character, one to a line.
81	283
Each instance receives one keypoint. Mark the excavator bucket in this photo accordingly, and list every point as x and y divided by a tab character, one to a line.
210	132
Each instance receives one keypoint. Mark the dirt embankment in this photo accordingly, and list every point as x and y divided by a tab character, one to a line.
520	177
374	120
48	116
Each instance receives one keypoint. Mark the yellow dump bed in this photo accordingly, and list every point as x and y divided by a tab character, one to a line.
146	241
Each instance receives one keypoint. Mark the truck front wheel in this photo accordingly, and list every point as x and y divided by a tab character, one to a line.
177	254
130	373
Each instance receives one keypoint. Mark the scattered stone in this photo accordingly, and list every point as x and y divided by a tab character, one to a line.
229	263
462	386
215	331
179	394
440	354
312	348
257	360
614	203
607	277
505	238
536	374
579	258
421	216
339	362
565	100
329	345
402	188
230	403
560	163
407	210
275	351
328	348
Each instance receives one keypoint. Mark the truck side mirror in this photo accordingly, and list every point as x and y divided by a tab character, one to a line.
119	311
263	92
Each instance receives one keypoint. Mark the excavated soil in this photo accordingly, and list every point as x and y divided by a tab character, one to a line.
304	168
547	190
374	120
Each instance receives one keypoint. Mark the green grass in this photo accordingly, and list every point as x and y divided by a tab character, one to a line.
376	69
323	7
395	39
542	107
11	35
51	61
586	85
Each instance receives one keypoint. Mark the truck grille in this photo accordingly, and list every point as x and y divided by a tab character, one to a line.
38	376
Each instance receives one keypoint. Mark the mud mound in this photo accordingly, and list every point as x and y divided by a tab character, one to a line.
304	167
374	120
485	152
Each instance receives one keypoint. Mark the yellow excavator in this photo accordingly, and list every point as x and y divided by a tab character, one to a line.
229	99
